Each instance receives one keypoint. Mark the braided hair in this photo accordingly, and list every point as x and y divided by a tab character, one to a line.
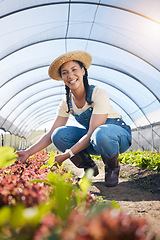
85	82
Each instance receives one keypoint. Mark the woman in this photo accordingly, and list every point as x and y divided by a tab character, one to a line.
103	131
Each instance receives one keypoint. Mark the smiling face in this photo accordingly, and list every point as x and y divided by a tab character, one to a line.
72	74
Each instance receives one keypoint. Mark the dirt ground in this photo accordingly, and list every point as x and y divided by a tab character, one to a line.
138	192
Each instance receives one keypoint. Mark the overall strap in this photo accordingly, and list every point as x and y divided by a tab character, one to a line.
70	102
90	92
89	96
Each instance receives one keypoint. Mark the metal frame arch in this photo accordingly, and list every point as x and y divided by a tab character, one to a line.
124	94
99	65
23	89
42	106
32	104
34	119
40	123
78	2
123	72
97	80
121	49
30	86
30	118
25	107
33	116
21	73
112	86
78	38
49	105
36	124
123	110
47	97
131	76
47	120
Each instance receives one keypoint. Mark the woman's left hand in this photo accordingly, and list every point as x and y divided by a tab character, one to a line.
60	158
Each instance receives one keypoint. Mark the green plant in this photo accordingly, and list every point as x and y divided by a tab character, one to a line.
142	159
7	156
68	210
18	179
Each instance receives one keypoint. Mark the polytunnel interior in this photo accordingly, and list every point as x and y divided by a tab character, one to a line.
123	38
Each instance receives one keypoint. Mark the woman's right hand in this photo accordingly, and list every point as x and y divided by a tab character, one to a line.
22	155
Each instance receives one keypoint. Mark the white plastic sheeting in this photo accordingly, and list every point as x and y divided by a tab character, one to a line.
123	38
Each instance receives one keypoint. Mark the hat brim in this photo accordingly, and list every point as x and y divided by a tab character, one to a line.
81	56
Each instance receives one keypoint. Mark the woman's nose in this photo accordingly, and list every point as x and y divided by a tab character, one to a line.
70	74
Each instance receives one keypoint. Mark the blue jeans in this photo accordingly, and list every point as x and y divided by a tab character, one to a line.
106	140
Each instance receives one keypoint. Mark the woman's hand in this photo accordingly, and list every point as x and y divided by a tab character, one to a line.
60	158
22	156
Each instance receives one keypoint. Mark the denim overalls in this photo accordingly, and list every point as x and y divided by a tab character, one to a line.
106	140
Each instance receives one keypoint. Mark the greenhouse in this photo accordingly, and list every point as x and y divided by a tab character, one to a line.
123	38
79	158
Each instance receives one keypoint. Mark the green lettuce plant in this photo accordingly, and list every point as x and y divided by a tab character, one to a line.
7	156
142	159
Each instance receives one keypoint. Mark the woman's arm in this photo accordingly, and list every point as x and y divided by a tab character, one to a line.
95	121
43	142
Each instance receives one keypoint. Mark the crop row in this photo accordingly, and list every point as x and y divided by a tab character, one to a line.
142	159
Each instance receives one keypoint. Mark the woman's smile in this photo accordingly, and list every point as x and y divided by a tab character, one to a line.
72	81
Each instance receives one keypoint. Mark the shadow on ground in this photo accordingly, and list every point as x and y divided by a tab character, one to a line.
134	185
126	191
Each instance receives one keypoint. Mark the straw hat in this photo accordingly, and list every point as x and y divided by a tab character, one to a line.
81	56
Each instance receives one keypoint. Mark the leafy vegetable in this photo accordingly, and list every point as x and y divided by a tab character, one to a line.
142	159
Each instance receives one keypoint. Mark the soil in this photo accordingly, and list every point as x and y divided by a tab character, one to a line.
138	192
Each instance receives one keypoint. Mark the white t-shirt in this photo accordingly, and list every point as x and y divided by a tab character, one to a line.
101	105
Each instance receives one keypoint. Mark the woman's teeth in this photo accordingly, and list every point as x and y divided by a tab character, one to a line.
73	81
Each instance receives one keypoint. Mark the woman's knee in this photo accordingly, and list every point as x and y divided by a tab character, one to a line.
104	141
101	134
57	135
66	136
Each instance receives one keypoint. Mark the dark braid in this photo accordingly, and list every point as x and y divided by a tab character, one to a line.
85	82
67	93
86	86
67	97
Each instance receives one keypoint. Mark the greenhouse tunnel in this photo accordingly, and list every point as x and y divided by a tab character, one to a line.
123	38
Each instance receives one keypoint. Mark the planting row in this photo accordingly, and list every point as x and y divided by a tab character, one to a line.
142	159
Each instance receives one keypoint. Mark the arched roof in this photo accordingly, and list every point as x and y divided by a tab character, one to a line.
123	38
